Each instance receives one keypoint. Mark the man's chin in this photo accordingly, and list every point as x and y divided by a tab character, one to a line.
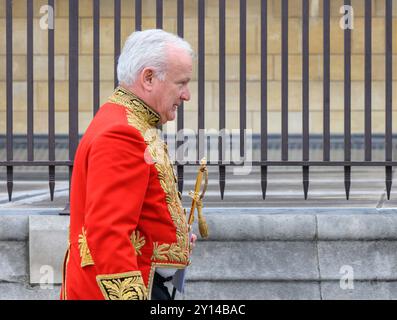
171	116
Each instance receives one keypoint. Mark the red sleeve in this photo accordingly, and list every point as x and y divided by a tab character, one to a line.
117	179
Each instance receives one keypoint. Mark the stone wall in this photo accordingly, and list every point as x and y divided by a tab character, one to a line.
263	253
211	67
14	261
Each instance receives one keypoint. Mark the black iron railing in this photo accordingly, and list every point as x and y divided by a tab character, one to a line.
263	162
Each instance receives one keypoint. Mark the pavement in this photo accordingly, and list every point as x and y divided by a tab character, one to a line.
284	189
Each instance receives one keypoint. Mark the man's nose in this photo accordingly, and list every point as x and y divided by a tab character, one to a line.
185	96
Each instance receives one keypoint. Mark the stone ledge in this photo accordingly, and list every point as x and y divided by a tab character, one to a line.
377	226
288	290
14	228
48	236
13	261
22	291
291	224
375	260
250	260
252	224
254	227
239	290
362	290
250	290
300	210
278	244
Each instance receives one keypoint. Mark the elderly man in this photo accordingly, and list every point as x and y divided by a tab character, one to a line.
128	230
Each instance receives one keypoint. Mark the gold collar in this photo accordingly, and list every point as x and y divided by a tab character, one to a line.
127	99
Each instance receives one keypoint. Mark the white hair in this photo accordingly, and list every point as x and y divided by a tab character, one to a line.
147	49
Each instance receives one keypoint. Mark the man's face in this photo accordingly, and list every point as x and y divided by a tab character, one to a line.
169	94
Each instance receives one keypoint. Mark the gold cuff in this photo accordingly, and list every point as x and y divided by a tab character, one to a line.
122	286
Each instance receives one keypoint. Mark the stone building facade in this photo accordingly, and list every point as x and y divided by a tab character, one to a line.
211	62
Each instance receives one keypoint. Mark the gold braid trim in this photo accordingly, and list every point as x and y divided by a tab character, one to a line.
122	286
85	255
64	266
141	117
175	252
146	116
137	242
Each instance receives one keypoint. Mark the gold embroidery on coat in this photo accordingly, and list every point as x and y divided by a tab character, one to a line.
167	251
85	255
176	252
137	242
122	286
142	113
144	119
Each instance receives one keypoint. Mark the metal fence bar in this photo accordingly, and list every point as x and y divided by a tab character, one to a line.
51	105
264	96
389	93
326	80
180	116
222	93
368	80
159	14
159	23
29	78
117	36
201	77
305	94
138	15
73	88
73	80
243	73
284	80
180	18
9	100
96	55
347	105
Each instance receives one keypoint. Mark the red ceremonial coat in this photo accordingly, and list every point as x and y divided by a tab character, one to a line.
126	216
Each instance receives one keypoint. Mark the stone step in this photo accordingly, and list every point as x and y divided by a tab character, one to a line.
292	254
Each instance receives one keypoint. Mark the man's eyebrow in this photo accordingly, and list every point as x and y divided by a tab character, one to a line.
187	79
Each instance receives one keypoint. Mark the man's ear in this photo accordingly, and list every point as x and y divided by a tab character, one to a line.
147	76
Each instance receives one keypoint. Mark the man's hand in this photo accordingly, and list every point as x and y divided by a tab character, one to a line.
193	240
